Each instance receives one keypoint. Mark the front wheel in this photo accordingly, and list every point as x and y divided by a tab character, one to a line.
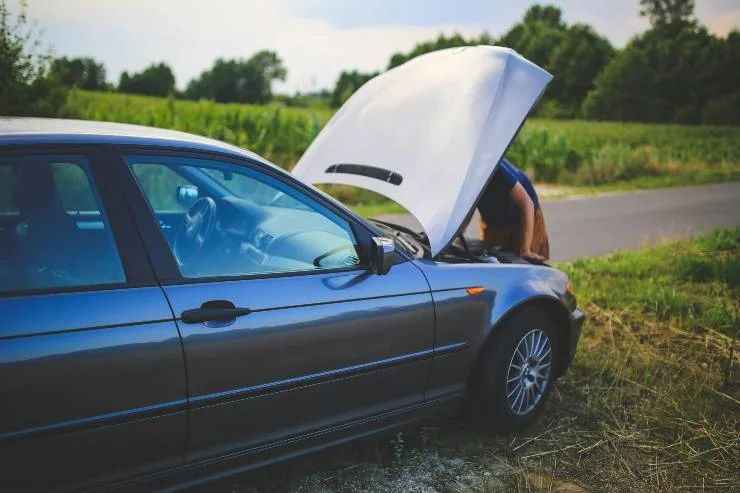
515	374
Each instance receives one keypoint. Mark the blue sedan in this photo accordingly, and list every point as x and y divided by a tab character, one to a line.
177	309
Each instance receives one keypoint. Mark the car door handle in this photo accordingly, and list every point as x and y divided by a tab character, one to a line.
213	310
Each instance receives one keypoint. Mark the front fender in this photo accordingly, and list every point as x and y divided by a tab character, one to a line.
466	321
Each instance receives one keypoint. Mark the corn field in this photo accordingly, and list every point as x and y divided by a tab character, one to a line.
569	152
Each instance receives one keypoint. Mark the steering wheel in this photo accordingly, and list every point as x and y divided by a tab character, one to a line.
197	228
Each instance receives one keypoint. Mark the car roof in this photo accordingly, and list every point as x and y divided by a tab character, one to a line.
21	130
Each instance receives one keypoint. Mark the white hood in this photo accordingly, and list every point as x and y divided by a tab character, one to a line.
429	133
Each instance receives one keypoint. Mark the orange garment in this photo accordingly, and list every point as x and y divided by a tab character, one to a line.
510	237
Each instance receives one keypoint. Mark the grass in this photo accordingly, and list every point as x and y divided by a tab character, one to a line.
377	209
584	156
651	403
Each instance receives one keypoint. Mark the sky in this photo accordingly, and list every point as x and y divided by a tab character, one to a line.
316	39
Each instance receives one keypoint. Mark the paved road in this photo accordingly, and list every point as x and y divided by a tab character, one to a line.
592	226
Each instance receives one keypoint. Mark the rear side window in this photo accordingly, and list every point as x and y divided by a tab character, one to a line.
53	230
74	188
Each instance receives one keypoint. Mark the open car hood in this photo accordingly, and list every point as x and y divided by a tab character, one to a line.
429	133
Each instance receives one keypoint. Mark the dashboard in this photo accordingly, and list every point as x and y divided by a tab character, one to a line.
252	239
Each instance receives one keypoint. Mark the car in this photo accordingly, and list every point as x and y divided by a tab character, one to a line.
176	309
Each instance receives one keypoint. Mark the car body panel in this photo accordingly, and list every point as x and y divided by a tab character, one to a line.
472	318
102	392
291	413
76	366
303	331
205	471
429	133
52	131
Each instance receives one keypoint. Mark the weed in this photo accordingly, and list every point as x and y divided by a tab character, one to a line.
398	449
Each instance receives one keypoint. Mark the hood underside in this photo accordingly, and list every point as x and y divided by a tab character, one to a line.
429	133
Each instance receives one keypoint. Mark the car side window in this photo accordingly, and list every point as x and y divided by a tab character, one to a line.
154	179
237	221
53	231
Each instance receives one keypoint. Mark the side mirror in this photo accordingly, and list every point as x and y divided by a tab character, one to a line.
383	253
187	195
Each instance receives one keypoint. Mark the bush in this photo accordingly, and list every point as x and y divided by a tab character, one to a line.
616	162
545	154
724	240
25	87
724	110
569	152
696	268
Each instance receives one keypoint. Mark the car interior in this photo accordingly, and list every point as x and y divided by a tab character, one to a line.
223	220
52	233
217	221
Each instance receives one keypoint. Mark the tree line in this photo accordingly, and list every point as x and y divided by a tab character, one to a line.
676	71
236	80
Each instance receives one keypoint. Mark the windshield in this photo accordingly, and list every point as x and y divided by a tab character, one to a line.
247	187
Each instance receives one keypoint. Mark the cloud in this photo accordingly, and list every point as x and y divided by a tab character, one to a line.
723	24
190	34
720	16
316	38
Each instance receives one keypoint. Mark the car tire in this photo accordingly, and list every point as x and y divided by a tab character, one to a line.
506	395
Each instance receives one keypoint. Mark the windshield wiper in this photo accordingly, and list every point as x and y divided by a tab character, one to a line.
396	234
416	235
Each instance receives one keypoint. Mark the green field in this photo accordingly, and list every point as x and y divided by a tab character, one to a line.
651	403
589	156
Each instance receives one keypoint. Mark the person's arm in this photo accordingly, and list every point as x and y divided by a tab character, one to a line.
521	198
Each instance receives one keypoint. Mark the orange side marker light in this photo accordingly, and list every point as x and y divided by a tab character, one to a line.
569	288
475	290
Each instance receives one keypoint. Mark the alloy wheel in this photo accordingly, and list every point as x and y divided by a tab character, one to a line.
529	372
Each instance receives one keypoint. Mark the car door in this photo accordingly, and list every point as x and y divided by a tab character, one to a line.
301	335
92	378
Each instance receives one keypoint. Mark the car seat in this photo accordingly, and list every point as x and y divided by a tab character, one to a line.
48	237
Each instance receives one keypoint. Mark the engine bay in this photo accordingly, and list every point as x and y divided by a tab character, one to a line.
461	250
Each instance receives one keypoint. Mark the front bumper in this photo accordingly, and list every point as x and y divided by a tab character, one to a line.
575	326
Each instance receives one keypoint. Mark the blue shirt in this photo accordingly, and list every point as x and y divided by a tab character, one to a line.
495	205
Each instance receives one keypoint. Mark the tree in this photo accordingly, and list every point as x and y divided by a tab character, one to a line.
724	87
575	55
575	63
624	90
84	73
244	81
24	87
350	81
155	80
667	13
440	43
692	73
539	33
347	84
